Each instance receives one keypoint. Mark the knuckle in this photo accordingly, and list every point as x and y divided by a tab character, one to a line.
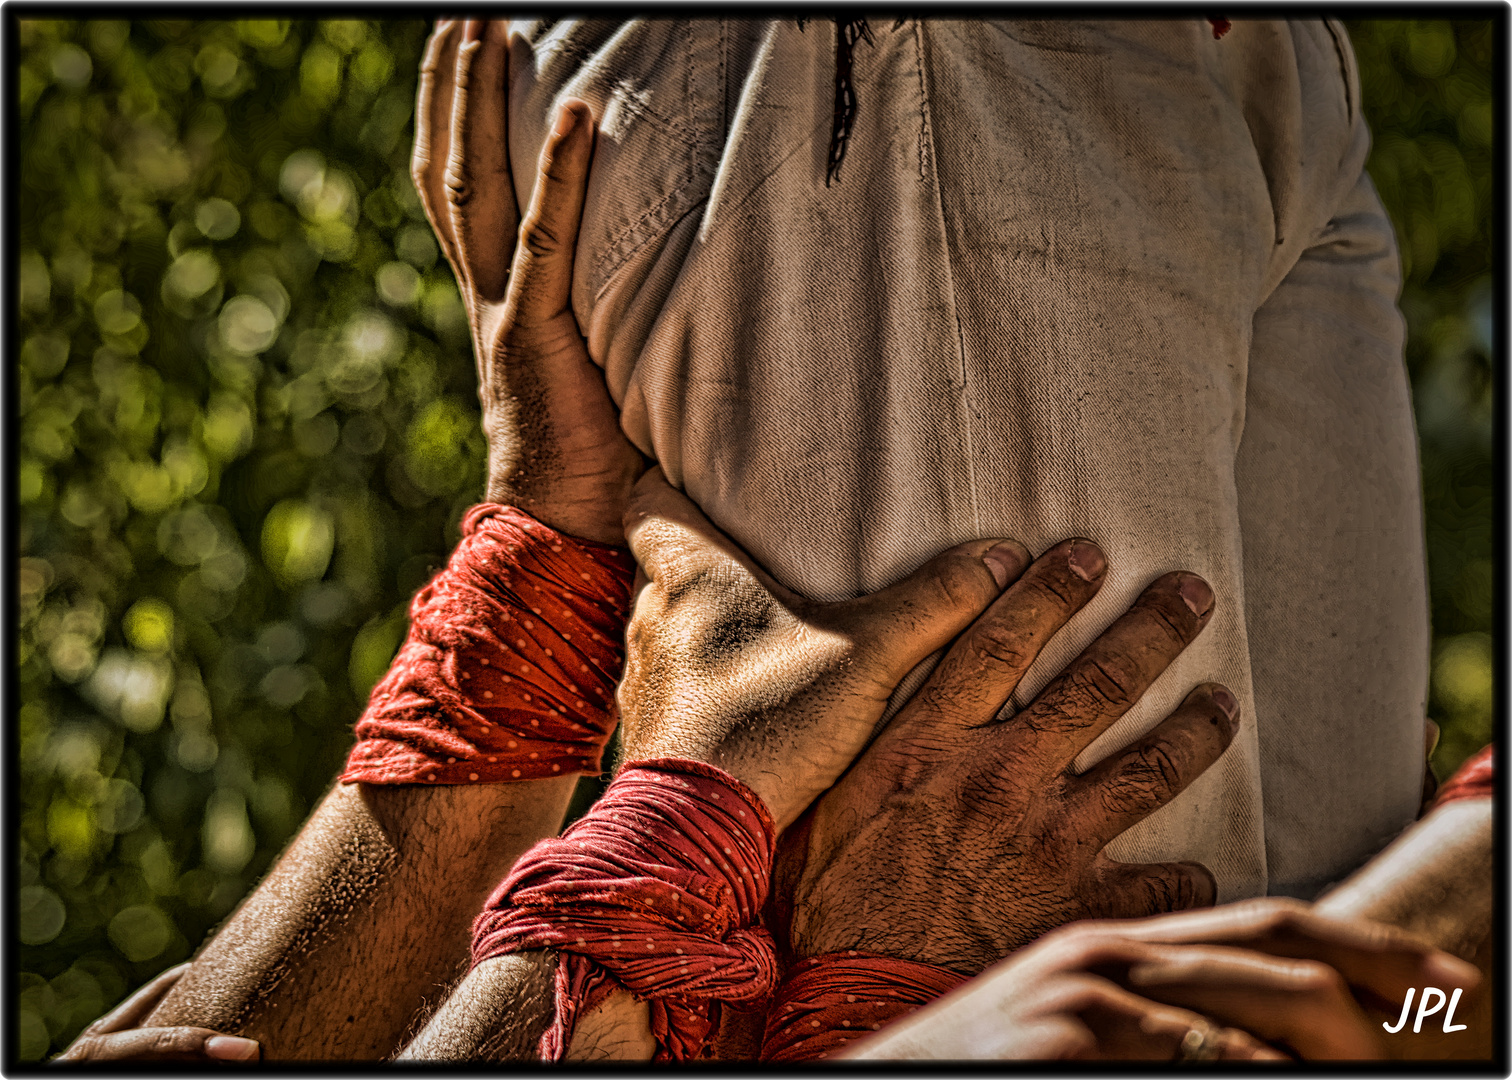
1157	762
1320	980
1105	682
1171	618
1116	679
1076	993
1126	794
959	584
164	1041
1168	890
83	1049
458	186
1051	591
538	237
1002	646
1281	915
1085	942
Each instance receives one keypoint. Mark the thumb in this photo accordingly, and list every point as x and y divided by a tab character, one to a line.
904	623
675	544
541	284
136	1008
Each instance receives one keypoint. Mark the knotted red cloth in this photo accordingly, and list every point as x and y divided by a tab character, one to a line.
657	889
1472	780
509	669
828	1001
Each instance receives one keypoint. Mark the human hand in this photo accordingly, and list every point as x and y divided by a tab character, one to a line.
1058	999
1272	970
116	1036
555	449
726	666
958	837
1295	976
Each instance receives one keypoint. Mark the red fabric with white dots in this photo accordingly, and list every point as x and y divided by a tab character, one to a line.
1473	780
657	889
509	669
828	1001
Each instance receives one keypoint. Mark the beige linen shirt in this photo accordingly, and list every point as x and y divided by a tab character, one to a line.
1121	280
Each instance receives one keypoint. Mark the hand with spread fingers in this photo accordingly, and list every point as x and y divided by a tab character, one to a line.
959	837
118	1036
726	666
555	448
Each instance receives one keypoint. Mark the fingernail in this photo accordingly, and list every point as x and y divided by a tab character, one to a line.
1087	560
1226	701
1448	970
1007	560
231	1048
1197	595
566	120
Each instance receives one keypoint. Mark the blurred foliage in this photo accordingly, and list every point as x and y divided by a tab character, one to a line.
248	427
1426	89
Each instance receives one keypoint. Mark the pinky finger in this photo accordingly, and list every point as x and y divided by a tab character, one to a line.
1138	890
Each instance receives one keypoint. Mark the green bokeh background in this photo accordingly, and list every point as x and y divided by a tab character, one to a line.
248	427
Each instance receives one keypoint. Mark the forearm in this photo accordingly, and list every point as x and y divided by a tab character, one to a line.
497	1013
1435	881
363	919
502	1008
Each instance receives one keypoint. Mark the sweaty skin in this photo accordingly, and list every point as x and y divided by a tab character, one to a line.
378	890
815	674
363	924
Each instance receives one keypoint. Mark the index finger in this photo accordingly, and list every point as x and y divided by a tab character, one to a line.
1114	671
433	107
984	667
540	287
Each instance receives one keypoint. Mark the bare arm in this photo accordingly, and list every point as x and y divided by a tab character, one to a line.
502	1008
1435	881
497	1013
377	891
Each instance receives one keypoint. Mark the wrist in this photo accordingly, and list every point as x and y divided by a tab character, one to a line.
829	1001
587	506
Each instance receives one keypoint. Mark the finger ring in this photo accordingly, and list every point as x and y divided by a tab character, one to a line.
1202	1042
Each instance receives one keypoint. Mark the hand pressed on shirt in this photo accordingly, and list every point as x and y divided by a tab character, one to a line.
953	839
555	449
724	665
958	837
